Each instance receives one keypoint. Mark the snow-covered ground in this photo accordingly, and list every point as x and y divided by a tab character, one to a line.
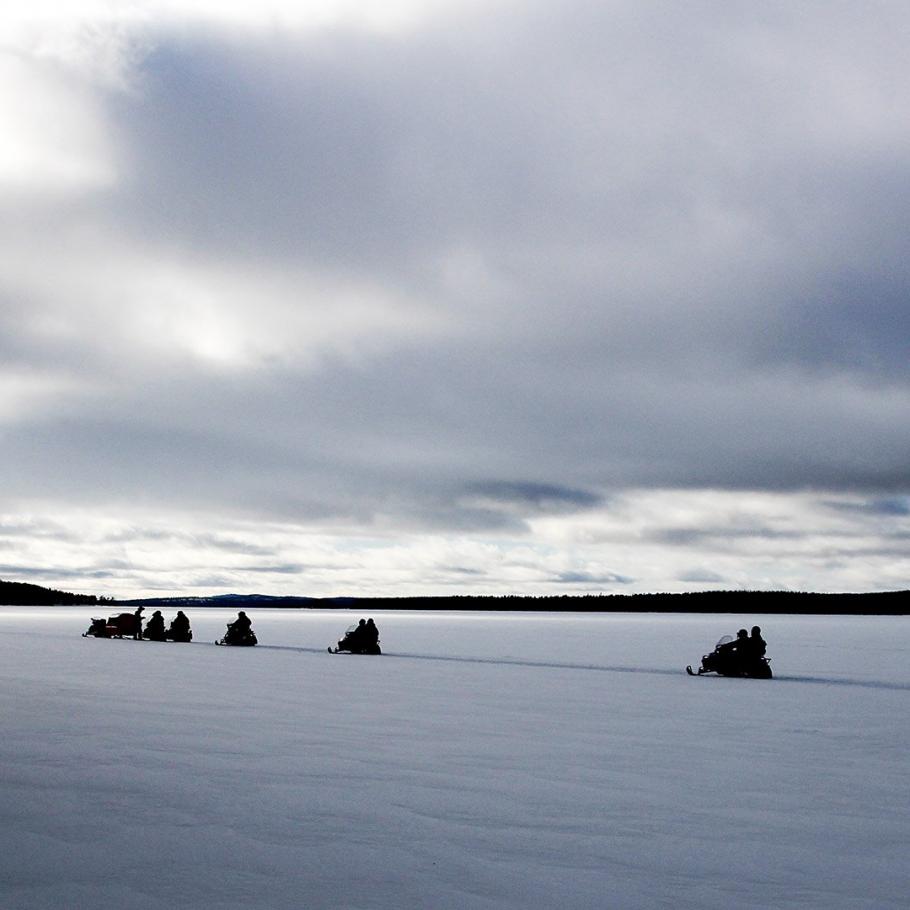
486	761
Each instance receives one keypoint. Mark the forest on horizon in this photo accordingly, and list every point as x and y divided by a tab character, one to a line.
893	603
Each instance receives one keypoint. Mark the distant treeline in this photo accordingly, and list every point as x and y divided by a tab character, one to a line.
20	594
892	603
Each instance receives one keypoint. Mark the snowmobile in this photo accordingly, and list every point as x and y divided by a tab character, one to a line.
725	660
244	639
173	634
123	624
355	643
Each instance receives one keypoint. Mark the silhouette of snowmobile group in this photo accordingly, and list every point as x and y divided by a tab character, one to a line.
742	656
360	639
129	625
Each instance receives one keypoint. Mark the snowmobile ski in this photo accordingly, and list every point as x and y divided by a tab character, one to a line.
356	653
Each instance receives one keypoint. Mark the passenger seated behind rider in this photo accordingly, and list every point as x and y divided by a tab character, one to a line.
757	645
371	633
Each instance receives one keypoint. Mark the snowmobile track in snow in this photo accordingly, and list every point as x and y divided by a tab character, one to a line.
599	668
495	661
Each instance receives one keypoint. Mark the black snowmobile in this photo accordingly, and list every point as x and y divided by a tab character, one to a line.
731	659
173	634
179	629
244	638
356	641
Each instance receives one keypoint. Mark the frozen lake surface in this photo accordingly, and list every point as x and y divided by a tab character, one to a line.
509	761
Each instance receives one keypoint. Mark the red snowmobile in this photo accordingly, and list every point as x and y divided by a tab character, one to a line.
120	626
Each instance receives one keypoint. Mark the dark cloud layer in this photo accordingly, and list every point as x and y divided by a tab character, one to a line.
681	288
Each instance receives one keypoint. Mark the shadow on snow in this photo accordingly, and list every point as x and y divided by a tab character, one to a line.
604	668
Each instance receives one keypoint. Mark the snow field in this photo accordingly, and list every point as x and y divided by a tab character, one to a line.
549	761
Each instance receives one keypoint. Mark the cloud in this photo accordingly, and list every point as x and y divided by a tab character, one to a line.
42	529
899	506
291	568
389	270
618	547
586	578
535	495
702	577
688	536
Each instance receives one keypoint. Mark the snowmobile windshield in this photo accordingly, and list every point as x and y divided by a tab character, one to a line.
724	640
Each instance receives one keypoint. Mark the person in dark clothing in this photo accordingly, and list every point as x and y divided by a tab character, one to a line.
734	653
371	638
757	645
741	645
355	638
137	629
180	628
240	632
241	625
154	628
736	647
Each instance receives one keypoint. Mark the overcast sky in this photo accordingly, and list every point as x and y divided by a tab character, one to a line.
395	298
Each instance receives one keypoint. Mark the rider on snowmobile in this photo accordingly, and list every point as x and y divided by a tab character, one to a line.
154	627
757	645
179	629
